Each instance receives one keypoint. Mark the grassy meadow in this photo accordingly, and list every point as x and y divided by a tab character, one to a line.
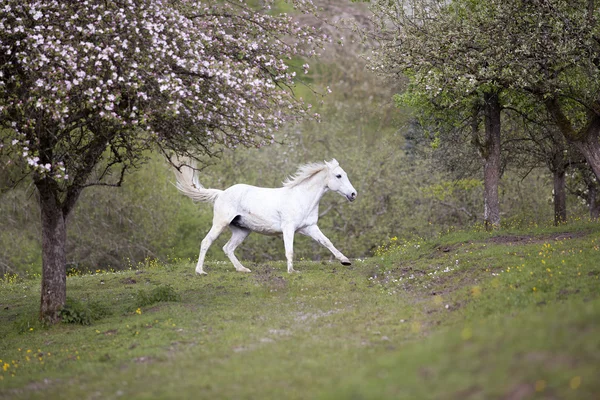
514	314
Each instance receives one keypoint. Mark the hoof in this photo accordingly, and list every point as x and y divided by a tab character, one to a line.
346	262
200	272
291	271
243	269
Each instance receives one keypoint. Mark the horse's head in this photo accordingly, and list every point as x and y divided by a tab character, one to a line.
337	180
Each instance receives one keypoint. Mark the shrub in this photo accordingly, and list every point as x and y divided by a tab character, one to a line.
158	294
76	312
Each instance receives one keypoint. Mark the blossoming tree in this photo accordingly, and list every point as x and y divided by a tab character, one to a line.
468	61
87	88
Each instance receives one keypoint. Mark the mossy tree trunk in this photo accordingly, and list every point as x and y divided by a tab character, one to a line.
560	197
492	161
54	239
584	139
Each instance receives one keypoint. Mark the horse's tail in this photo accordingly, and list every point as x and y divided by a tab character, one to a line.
188	184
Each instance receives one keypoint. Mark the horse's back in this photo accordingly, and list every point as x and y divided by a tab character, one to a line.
243	193
251	207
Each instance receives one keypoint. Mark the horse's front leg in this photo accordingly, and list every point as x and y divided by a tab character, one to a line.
314	232
288	242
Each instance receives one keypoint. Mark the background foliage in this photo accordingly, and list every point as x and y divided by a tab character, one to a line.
402	192
404	186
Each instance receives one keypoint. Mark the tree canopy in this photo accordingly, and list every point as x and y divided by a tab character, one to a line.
466	59
129	75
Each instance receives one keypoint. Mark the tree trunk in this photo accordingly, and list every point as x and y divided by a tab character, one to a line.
491	166
585	140
560	197
593	202
590	149
54	239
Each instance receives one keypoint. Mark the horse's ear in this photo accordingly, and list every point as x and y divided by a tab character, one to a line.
332	164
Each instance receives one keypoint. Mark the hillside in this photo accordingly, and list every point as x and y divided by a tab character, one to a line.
469	315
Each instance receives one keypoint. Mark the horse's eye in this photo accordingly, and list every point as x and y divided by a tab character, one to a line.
338	176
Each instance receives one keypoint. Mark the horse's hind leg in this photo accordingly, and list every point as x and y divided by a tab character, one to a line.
214	233
237	236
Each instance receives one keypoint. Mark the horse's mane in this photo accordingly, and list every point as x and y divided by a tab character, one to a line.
306	172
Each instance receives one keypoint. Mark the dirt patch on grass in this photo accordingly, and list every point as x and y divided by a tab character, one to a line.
303	317
469	393
42	385
144	360
521	391
269	278
547	359
32	387
514	240
446	249
528	239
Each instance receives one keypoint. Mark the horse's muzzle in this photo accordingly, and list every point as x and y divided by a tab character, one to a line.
351	196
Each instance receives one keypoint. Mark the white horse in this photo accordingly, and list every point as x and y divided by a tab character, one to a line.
286	210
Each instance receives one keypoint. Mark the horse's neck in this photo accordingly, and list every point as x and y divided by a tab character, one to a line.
312	191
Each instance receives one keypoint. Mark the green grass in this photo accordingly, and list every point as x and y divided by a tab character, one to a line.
513	314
